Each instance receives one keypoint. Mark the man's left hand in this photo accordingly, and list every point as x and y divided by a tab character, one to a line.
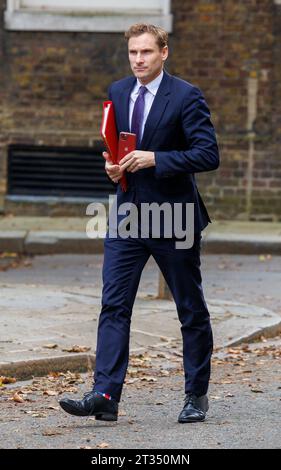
137	160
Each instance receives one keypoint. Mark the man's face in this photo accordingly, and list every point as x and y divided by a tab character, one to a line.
146	59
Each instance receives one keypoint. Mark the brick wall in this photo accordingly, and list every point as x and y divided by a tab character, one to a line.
229	49
52	84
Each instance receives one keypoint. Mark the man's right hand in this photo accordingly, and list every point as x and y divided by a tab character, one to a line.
111	169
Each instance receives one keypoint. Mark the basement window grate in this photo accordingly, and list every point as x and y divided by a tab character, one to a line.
57	171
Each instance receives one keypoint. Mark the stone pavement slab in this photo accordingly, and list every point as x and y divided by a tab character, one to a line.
51	242
33	316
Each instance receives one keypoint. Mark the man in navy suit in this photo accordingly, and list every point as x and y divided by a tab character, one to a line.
176	139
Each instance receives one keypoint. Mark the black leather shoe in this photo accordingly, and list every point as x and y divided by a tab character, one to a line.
195	408
93	404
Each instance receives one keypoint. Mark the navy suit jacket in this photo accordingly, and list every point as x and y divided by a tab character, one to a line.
179	130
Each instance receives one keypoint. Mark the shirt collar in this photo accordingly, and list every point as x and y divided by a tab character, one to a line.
151	86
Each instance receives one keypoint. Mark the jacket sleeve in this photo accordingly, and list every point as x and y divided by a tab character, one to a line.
109	179
201	152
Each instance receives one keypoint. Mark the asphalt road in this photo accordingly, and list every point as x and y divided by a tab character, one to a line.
244	390
244	410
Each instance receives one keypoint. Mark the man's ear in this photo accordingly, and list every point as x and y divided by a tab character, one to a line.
165	52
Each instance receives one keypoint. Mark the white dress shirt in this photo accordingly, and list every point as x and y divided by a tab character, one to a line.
149	96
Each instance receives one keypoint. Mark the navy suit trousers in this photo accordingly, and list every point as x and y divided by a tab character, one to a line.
124	260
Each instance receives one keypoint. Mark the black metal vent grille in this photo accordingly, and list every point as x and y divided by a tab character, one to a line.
62	172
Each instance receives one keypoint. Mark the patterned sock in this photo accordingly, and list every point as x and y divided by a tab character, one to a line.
105	395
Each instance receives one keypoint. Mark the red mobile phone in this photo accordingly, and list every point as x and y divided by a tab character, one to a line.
126	144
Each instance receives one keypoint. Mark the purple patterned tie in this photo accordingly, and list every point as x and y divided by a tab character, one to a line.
137	117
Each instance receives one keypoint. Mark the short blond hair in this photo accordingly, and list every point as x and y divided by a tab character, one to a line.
137	29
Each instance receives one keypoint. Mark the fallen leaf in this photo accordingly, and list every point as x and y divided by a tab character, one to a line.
164	355
27	263
176	353
7	254
131	381
51	432
77	349
256	390
7	380
265	257
50	346
17	398
148	379
234	351
103	445
50	393
55	375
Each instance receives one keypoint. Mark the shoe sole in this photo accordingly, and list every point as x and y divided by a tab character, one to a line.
106	417
100	416
192	420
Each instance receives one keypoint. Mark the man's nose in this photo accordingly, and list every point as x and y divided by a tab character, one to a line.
139	58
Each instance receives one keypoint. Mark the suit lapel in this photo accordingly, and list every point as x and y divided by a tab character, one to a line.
157	110
123	107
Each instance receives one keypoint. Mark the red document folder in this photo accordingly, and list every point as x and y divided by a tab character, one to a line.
109	134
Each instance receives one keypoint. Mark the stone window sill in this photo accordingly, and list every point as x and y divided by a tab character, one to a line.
111	23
